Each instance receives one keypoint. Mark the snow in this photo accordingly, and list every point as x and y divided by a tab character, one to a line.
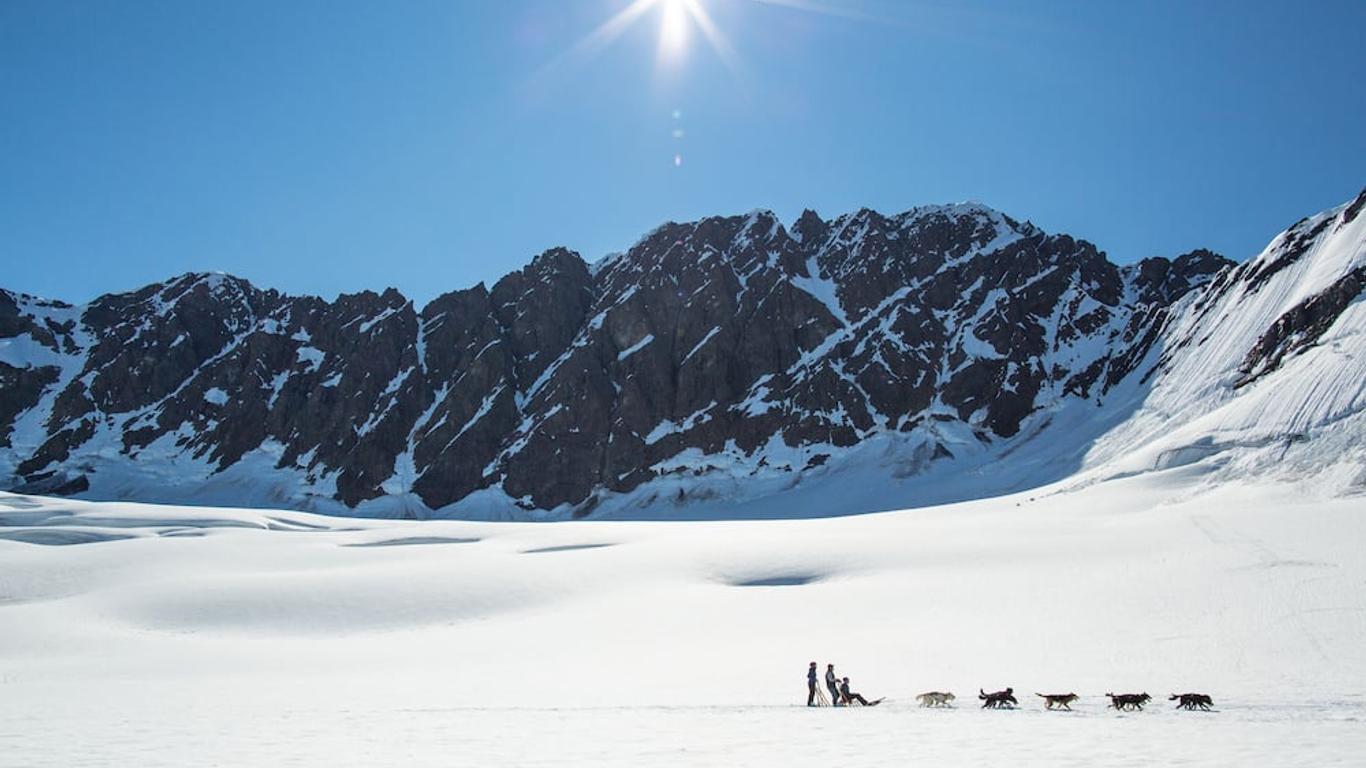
311	356
158	635
216	396
699	345
23	351
823	289
377	319
277	383
29	430
386	397
607	260
665	428
806	364
756	402
484	407
1301	418
636	347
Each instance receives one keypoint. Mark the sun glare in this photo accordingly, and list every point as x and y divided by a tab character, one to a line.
679	19
673	30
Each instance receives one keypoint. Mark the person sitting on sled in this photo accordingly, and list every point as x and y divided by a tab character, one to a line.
849	698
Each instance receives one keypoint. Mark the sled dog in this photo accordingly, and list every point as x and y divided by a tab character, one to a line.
1060	700
1128	701
1192	701
935	699
998	700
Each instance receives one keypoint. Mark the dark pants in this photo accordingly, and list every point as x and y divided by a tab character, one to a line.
810	692
852	697
834	695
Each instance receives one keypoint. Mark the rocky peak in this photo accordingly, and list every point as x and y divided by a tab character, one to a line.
809	226
1160	280
555	262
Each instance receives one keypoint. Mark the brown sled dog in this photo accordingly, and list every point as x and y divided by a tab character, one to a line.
1060	700
998	700
1192	701
1129	701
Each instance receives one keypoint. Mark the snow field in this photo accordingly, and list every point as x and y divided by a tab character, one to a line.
207	731
246	637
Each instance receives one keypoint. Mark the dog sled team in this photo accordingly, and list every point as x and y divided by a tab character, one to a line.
841	696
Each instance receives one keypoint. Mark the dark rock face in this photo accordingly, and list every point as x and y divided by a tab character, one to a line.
1302	326
22	387
1353	209
565	382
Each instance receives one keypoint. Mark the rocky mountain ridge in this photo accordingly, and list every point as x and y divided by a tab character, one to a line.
730	347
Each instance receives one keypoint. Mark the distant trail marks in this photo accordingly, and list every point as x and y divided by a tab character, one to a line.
281	524
1267	559
414	540
566	548
785	580
181	533
1288	564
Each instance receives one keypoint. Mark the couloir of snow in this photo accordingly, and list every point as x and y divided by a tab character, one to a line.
150	635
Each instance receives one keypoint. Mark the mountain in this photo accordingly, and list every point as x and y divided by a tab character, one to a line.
730	366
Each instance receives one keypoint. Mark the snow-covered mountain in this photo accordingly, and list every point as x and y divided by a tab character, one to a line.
863	363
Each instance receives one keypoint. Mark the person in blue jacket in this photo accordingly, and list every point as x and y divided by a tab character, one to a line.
811	685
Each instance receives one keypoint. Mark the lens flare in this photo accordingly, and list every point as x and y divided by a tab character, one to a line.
679	19
673	29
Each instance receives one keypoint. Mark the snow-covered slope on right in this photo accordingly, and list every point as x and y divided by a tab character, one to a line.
1262	372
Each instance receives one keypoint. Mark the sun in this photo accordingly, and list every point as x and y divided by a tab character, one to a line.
679	21
673	28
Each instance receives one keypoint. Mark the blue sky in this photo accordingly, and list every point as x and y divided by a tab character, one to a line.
322	147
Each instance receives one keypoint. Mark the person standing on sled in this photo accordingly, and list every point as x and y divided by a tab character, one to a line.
811	685
832	683
850	698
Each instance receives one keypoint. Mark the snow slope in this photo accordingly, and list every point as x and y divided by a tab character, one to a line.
1304	418
139	634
